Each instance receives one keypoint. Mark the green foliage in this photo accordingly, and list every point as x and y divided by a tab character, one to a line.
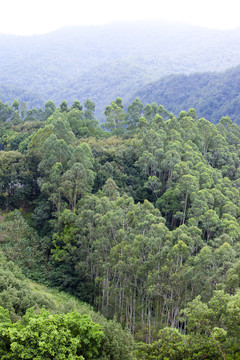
138	223
141	221
74	331
45	336
212	332
115	117
21	244
171	345
16	294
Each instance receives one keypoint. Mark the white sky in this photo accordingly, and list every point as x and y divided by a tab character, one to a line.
27	17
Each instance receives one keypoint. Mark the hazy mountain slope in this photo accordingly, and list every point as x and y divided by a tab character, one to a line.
105	83
8	93
77	62
213	95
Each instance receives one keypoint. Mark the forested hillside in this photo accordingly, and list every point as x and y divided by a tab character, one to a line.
212	95
103	62
139	218
38	323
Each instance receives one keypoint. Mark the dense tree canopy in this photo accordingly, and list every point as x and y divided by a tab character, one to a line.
140	219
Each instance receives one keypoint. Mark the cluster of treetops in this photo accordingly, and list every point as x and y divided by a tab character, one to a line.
138	217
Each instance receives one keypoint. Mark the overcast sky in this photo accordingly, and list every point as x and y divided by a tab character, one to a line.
27	17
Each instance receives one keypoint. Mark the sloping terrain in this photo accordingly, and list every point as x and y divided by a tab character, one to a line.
111	59
212	95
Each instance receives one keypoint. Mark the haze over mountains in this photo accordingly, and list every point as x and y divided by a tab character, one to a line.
103	62
212	95
141	221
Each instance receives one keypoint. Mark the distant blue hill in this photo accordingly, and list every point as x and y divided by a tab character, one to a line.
212	95
102	62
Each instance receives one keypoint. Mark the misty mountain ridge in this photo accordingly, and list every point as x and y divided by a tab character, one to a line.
212	95
102	62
